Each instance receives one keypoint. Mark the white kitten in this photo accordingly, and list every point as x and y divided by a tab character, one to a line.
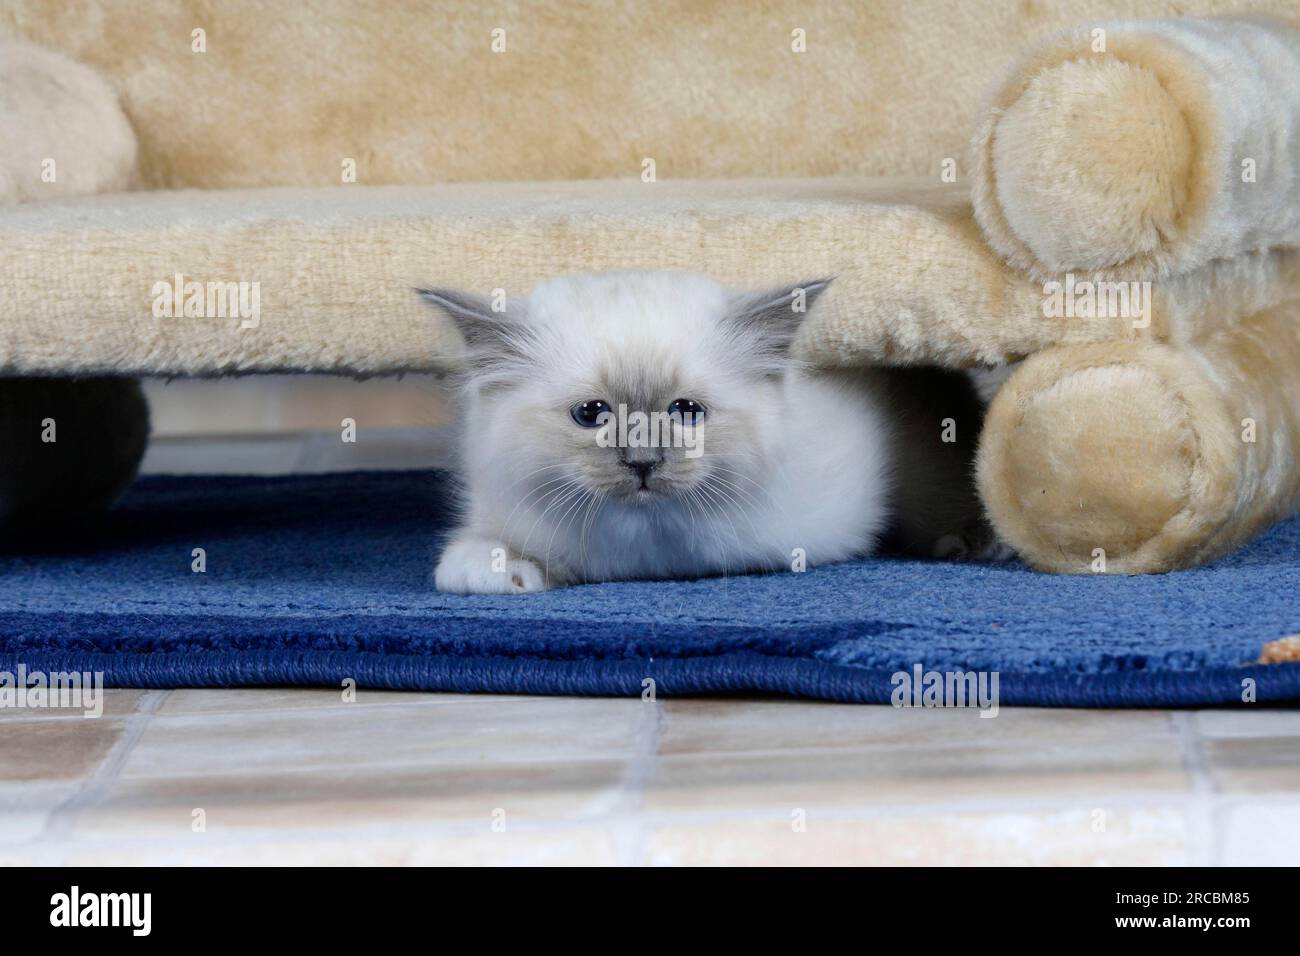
757	464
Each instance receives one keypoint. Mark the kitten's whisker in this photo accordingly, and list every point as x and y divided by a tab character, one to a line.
563	522
535	471
563	495
766	490
735	489
593	511
706	520
506	524
717	531
722	502
730	497
689	500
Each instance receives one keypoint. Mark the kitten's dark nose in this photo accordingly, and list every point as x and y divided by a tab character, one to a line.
642	461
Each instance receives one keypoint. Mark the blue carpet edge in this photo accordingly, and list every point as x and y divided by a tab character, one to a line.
728	673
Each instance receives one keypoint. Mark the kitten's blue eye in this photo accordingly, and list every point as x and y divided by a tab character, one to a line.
587	414
688	410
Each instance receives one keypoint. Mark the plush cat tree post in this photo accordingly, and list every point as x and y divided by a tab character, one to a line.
1150	152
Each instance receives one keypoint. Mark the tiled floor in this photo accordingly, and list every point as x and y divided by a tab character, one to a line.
293	776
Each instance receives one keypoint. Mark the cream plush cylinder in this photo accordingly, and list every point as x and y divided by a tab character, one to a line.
1143	147
1148	456
63	130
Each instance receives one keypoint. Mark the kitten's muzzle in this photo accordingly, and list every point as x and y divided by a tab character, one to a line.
641	462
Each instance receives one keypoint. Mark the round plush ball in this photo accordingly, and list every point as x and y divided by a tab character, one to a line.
1093	164
62	130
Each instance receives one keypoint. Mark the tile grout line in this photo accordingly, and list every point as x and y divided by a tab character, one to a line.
648	735
109	769
1202	801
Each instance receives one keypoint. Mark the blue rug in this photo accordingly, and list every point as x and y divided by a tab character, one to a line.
314	579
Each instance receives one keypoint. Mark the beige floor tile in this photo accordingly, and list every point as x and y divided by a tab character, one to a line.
241	700
779	781
1261	834
223	406
244	455
738	726
26	808
558	847
117	702
545	730
587	847
23	825
378	449
1254	764
420	401
355	798
277	403
55	750
11	858
1249	722
1147	836
300	452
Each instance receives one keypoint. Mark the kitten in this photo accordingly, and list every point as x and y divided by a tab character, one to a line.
653	425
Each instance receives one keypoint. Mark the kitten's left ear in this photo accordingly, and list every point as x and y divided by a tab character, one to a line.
482	328
773	317
495	341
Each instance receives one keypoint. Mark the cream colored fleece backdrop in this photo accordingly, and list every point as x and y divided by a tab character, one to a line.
586	90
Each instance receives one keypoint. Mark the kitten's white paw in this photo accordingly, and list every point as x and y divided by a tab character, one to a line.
481	566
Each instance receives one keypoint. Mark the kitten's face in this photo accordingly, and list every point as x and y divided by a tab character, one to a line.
639	389
635	419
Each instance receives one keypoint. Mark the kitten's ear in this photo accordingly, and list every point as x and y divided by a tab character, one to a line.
772	318
483	329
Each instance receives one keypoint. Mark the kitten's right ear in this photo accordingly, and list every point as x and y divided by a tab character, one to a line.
483	329
770	320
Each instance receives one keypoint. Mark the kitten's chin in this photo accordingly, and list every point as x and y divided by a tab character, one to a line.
643	497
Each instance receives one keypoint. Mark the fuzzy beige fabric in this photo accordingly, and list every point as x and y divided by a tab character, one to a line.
283	92
1147	456
62	131
1147	151
334	269
1166	153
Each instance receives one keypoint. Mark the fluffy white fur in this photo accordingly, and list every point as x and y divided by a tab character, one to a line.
792	463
